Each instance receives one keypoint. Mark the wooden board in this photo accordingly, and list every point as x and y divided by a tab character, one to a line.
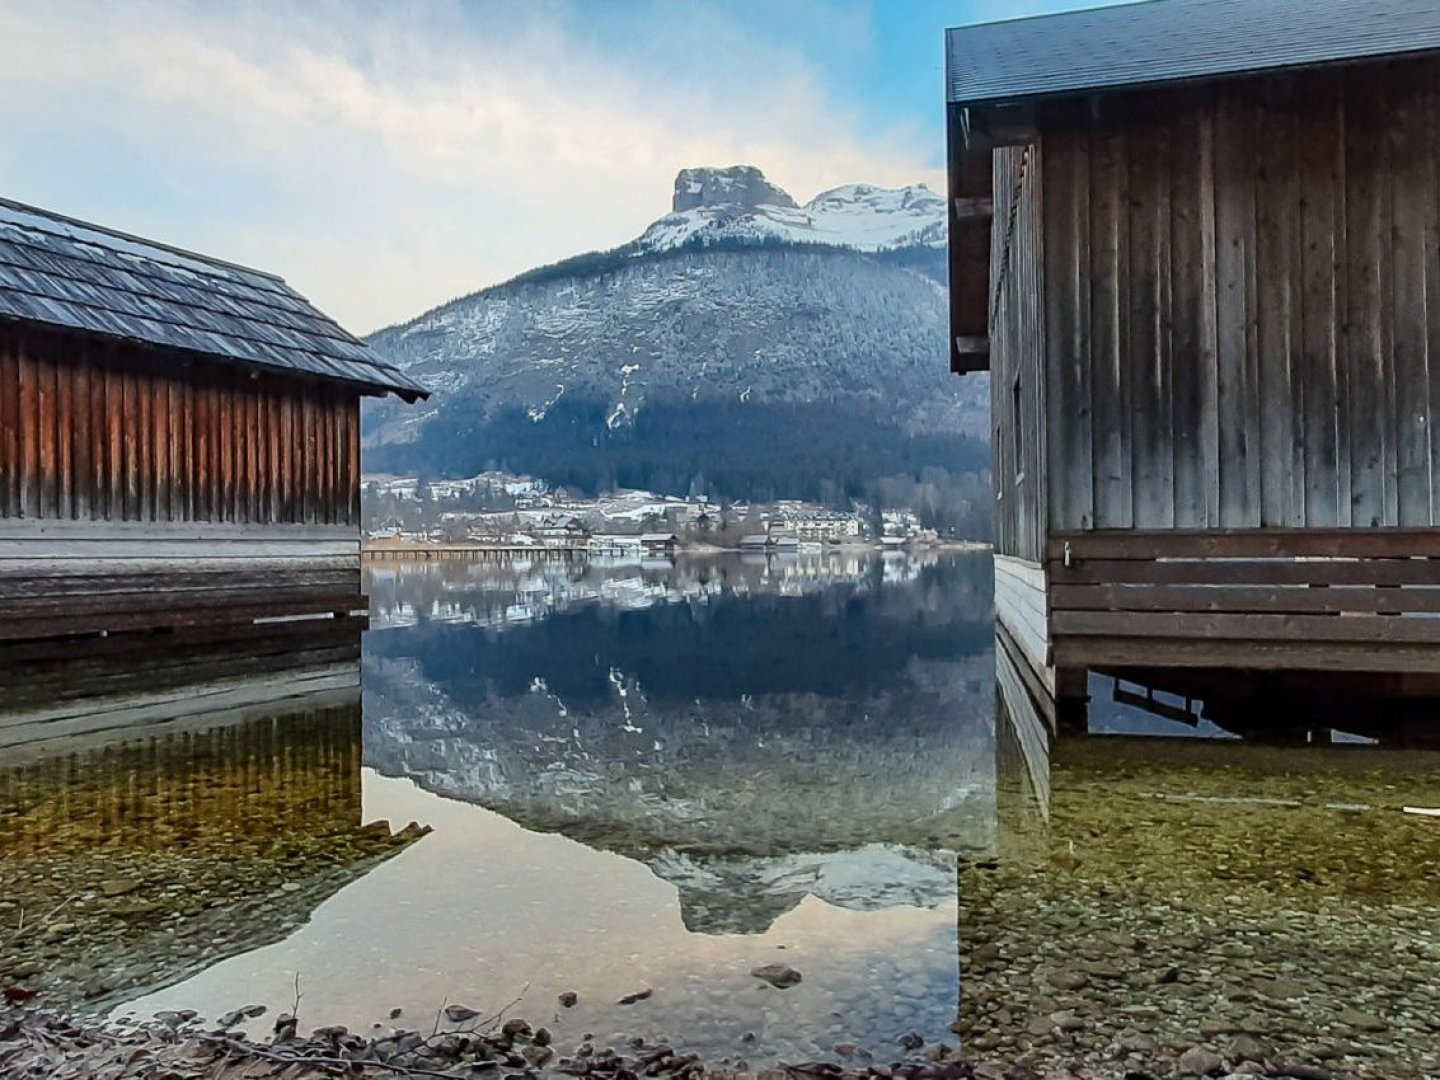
1239	291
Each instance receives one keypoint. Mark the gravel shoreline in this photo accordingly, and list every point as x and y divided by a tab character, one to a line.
36	1044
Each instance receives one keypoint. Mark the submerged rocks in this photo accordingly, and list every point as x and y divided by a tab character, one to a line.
458	1014
780	976
1068	980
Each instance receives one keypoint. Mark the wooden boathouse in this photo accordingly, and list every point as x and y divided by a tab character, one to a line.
179	439
1196	244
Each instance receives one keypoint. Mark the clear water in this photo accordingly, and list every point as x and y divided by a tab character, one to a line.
661	777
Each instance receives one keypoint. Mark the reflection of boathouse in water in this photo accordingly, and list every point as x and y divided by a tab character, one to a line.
179	439
1199	283
166	821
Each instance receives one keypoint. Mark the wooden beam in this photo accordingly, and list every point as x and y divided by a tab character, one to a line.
971	189
1099	652
1245	544
1228	626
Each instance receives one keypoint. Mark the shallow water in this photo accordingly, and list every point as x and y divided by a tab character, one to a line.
661	777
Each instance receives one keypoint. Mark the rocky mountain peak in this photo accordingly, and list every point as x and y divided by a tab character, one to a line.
739	185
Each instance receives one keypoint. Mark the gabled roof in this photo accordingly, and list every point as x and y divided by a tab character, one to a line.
1160	41
75	276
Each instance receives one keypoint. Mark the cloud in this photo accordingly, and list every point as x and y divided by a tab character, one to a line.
386	157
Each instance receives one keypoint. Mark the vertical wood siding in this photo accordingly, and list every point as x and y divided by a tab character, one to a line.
1241	293
95	431
1017	359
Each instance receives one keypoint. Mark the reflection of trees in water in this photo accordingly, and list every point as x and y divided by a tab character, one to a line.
515	591
845	639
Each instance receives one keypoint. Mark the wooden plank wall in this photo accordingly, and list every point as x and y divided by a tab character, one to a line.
1017	356
1242	291
93	431
1318	599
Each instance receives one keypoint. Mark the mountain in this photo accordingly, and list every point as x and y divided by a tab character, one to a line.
743	346
716	205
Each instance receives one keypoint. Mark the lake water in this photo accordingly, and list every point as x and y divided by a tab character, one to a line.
659	777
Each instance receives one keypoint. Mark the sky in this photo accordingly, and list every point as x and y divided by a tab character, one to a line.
386	156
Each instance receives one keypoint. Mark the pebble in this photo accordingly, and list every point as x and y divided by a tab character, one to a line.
1197	1061
1068	980
780	976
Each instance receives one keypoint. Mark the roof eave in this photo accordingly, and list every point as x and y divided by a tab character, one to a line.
1166	83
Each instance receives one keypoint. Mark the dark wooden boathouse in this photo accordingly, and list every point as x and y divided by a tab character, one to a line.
1196	243
179	441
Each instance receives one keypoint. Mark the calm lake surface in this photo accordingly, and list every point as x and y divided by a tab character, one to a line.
660	777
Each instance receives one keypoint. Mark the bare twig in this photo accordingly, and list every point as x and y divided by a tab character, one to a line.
501	1014
20	927
345	1064
480	1027
295	1006
439	1013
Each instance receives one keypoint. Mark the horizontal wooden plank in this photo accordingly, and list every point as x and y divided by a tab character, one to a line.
1129	652
1209	626
1244	544
15	587
144	651
160	597
1249	572
114	621
47	529
1245	598
33	551
194	562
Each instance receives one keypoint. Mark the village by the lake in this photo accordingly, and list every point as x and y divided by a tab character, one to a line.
720	541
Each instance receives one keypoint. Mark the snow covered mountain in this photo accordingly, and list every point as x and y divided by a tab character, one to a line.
743	346
713	205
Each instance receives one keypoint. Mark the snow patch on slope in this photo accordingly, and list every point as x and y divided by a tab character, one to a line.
858	216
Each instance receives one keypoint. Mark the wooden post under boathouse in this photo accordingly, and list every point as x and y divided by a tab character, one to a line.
179	440
1196	244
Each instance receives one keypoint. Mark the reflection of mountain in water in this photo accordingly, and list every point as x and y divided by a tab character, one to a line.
751	748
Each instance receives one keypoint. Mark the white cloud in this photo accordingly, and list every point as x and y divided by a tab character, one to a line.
387	157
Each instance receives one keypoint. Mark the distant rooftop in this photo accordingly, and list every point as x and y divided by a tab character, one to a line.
1161	41
76	276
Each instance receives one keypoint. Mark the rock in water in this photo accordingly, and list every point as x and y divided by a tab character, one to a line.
569	998
780	976
458	1014
639	995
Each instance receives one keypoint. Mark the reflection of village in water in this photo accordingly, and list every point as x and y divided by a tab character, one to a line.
645	776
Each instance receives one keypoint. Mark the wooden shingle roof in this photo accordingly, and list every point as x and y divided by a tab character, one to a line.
1166	41
76	276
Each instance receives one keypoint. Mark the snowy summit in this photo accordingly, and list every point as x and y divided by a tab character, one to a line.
739	204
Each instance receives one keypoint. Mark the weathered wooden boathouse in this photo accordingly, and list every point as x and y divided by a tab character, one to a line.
179	441
1196	243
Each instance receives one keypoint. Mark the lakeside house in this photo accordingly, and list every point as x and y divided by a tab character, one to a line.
1194	244
658	543
181	431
